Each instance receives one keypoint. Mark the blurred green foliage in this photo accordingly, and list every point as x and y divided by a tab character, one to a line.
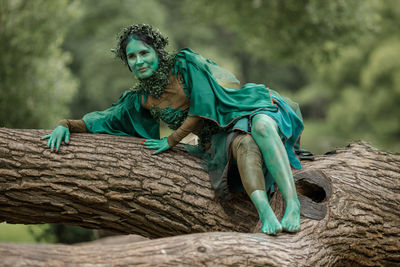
59	233
291	29
346	54
45	233
358	92
339	59
35	81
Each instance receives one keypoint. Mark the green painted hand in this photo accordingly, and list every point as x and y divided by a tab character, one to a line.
160	145
59	134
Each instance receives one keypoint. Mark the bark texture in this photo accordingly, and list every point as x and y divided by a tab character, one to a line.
112	182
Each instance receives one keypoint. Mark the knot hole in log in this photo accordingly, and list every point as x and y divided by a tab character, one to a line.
314	190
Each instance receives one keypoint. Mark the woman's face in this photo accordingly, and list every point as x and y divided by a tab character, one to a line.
142	58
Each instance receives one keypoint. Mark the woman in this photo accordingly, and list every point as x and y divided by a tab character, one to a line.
252	128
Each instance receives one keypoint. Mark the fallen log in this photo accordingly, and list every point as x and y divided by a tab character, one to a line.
350	205
112	183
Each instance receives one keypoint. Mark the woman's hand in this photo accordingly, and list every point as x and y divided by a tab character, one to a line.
160	145
59	134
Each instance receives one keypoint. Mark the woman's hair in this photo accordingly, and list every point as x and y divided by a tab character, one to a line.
144	33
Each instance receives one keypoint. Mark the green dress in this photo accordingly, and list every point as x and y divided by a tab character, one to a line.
229	109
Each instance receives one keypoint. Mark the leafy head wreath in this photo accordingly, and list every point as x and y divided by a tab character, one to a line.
144	33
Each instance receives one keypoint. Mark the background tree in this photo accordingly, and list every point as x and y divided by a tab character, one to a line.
290	30
367	104
35	81
358	92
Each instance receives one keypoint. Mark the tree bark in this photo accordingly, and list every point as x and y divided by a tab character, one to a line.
350	206
112	183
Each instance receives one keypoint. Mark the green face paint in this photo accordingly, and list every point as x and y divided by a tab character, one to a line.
142	59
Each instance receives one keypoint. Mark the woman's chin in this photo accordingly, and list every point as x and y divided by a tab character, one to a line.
144	75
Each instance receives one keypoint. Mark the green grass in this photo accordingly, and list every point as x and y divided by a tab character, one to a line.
16	233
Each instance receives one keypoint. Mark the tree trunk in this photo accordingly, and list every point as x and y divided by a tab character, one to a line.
350	206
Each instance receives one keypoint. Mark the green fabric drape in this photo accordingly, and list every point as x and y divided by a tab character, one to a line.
210	100
126	117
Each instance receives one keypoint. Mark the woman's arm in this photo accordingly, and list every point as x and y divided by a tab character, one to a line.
191	124
74	126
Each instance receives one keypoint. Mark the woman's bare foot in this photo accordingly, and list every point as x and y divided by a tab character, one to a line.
270	224
267	216
291	219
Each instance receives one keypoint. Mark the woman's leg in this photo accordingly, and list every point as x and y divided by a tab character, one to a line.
249	160
265	132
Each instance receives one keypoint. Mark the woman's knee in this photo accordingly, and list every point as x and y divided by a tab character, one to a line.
249	162
244	146
264	126
244	143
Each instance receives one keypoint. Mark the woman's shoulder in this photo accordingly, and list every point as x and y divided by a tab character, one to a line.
188	56
127	96
186	51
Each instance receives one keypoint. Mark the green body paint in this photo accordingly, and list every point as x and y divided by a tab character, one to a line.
270	224
265	132
59	134
159	145
142	58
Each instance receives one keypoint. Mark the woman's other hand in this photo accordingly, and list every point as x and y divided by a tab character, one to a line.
59	134
160	145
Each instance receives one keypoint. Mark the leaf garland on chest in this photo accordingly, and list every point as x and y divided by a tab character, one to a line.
156	83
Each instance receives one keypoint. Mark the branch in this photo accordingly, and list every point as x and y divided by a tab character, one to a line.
204	249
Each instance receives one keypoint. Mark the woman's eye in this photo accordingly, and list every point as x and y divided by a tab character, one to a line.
144	53
131	56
